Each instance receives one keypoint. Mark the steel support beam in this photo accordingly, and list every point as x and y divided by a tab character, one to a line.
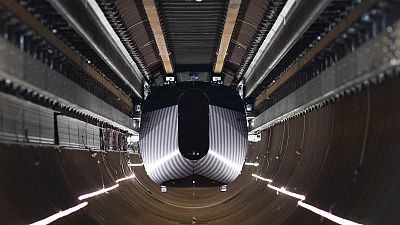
152	15
368	63
231	15
87	19
15	8
295	18
24	71
336	31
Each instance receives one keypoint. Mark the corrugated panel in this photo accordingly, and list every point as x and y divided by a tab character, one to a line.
23	121
160	150
228	144
77	134
159	146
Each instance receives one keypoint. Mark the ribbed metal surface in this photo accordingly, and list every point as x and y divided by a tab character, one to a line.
159	146
228	144
22	121
160	151
192	29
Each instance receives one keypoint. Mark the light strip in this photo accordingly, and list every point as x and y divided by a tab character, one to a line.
101	191
252	164
284	191
234	166
125	178
261	178
158	163
60	214
327	215
135	164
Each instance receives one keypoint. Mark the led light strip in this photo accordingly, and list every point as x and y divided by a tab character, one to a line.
251	164
60	214
101	191
125	178
327	215
284	191
313	209
135	164
261	178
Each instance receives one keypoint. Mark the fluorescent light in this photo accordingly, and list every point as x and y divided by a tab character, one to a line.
101	191
60	214
284	191
158	163
135	164
234	166
327	215
251	164
125	178
261	178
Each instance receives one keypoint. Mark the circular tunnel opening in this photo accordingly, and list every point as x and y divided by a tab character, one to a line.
193	124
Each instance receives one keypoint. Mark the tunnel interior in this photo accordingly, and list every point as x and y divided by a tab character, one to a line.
203	112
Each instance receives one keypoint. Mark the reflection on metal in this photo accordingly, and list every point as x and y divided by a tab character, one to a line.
160	128
60	214
277	43
327	215
152	15
231	15
251	164
32	22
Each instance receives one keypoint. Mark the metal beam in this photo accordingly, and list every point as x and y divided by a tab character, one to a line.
287	29
23	70
15	8
87	19
367	63
152	15
337	30
231	15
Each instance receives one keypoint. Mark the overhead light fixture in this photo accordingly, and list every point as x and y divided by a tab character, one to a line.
163	189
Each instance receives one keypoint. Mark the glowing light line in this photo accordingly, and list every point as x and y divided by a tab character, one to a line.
261	178
101	191
252	164
327	215
284	191
135	164
60	214
125	178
